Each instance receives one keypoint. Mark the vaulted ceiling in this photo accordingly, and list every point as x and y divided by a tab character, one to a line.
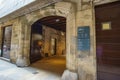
56	22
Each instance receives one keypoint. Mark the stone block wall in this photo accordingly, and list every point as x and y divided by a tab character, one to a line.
14	38
21	32
78	13
22	29
87	59
50	33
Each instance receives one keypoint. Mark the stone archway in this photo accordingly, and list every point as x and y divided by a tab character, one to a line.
64	9
48	38
68	12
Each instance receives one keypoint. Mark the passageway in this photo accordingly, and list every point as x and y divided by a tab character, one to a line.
48	38
54	65
48	46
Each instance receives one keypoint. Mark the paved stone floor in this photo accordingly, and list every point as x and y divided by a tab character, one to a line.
46	69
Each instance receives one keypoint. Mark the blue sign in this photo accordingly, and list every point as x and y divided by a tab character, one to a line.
83	38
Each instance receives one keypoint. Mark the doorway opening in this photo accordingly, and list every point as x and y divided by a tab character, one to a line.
48	44
108	41
53	46
6	42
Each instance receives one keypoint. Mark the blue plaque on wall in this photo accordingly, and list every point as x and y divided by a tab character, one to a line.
83	38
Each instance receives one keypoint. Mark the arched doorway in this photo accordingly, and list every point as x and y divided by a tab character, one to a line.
68	11
48	44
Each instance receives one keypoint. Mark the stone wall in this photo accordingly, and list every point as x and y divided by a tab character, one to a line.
87	59
63	9
20	44
17	40
78	13
14	38
50	33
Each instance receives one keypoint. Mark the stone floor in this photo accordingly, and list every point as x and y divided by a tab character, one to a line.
46	69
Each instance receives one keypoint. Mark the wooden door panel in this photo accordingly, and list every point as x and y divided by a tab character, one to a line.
108	41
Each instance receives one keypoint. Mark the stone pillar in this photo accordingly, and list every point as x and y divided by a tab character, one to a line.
15	41
68	10
23	54
71	42
87	59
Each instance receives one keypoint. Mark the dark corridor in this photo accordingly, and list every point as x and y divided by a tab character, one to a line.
36	39
46	33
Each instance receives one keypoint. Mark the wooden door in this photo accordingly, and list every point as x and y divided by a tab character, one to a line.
6	43
108	41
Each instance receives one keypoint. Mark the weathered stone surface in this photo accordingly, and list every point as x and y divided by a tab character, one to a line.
63	8
82	14
60	10
21	62
68	75
86	59
21	30
86	69
50	33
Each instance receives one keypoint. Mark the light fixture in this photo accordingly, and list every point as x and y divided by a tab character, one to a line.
57	20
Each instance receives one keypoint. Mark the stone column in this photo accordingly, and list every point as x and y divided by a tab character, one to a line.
71	42
87	59
68	10
71	63
23	54
15	41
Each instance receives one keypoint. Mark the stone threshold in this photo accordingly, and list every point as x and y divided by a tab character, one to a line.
5	59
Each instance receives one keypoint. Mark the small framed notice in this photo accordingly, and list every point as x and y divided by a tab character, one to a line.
83	38
106	25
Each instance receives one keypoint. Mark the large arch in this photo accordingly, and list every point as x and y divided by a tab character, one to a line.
69	13
48	38
64	9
